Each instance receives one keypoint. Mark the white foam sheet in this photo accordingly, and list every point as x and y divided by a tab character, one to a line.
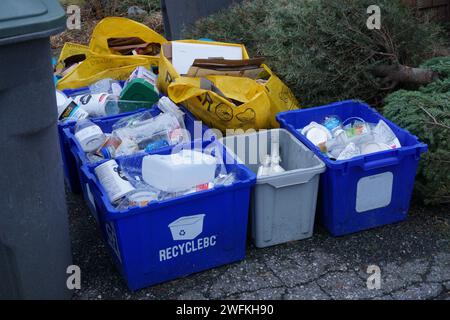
184	54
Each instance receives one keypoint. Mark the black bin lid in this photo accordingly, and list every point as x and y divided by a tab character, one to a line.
22	20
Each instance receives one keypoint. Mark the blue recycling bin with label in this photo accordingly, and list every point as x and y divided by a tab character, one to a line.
177	237
366	191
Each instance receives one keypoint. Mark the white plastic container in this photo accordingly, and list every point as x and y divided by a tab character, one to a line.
68	109
98	104
89	135
178	172
115	185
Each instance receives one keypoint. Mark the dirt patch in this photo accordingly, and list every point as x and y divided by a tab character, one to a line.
152	20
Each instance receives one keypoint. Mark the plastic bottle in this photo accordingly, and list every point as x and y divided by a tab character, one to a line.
68	109
167	106
107	85
108	149
89	135
179	171
164	126
98	104
275	165
334	124
275	158
115	184
264	169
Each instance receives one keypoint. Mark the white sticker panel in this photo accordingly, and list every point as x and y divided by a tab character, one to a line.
374	192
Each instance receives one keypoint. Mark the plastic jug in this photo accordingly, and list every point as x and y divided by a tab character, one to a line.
180	171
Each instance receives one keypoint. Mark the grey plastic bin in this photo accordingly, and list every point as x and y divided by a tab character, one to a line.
34	233
283	206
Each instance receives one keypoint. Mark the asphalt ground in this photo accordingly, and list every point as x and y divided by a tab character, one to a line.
413	257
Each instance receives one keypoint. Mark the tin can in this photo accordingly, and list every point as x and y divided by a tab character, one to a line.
114	183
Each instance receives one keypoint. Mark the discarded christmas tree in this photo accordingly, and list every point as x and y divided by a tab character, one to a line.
324	50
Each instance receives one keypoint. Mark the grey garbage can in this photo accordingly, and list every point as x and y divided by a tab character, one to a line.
283	205
179	15
34	236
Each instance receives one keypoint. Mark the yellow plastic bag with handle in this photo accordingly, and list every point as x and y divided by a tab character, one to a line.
168	74
118	27
72	49
97	67
102	62
252	112
281	97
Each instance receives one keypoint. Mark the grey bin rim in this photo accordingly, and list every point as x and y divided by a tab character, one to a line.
25	20
31	36
318	169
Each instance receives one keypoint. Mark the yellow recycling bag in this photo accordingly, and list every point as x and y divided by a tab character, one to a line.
281	97
118	27
168	74
98	67
102	62
251	112
71	49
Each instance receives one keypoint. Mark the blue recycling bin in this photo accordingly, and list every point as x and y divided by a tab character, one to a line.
71	177
76	157
366	191
177	237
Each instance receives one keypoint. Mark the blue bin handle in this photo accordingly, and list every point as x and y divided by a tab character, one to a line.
390	161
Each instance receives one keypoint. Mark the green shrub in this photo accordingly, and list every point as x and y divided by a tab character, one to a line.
323	49
426	113
438	64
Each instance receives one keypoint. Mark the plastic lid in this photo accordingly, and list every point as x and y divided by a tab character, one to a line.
317	135
31	18
139	90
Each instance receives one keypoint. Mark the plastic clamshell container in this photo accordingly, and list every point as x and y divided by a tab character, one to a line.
283	205
366	191
177	237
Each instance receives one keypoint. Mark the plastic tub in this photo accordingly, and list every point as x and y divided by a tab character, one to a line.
283	206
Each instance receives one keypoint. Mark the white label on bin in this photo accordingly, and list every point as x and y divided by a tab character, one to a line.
187	229
112	239
374	192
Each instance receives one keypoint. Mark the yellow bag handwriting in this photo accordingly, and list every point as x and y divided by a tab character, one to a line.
218	112
281	97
